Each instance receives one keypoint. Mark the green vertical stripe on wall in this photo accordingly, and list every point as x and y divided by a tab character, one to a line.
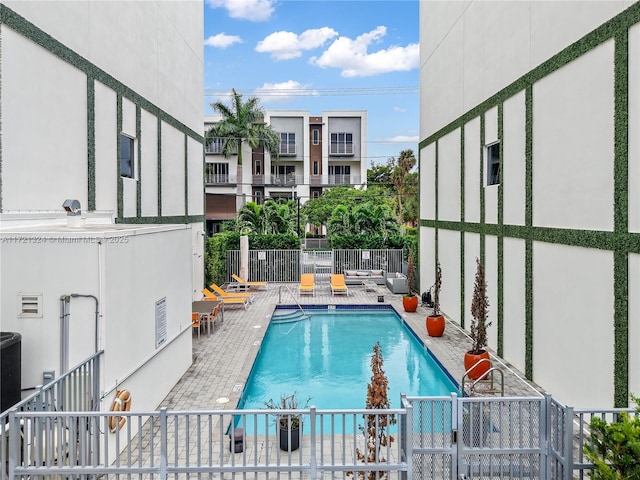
528	221
159	167
139	165
91	144
186	176
119	177
462	197
481	156
500	286
621	220
435	187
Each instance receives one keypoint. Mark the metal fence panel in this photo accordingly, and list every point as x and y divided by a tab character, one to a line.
283	266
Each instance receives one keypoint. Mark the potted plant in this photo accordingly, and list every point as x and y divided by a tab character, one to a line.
479	324
435	321
289	424
615	446
410	299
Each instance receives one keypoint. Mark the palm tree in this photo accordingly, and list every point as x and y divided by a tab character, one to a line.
242	122
406	162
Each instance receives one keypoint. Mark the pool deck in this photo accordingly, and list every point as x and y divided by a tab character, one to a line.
222	360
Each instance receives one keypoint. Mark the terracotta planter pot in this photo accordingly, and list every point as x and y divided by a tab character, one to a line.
410	304
479	371
435	325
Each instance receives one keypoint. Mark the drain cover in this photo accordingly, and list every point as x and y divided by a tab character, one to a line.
222	400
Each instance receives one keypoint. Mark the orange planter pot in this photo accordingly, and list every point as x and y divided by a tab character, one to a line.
479	371
435	325
410	304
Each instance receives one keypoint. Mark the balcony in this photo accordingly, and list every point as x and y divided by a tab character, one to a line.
333	180
219	179
341	149
285	180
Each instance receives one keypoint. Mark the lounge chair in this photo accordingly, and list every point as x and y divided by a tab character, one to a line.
245	284
307	284
223	293
337	284
208	295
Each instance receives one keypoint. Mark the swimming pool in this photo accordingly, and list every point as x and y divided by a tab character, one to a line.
327	356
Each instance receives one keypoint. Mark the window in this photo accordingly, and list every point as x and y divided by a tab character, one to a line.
341	144
316	194
493	164
316	168
257	167
287	144
257	195
214	146
315	133
217	173
127	161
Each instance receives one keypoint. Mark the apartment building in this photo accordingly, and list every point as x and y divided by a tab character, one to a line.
530	161
316	152
101	191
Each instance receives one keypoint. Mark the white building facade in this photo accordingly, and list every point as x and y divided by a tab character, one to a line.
102	106
530	160
316	152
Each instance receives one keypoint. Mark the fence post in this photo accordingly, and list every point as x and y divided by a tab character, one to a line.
545	436
164	440
568	438
14	442
406	435
313	461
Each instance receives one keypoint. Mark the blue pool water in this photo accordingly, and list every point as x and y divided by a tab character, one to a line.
327	357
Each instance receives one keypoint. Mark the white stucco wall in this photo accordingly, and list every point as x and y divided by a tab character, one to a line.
36	86
427	169
573	338
142	44
573	139
149	164
472	171
471	50
514	303
513	166
106	148
449	177
634	128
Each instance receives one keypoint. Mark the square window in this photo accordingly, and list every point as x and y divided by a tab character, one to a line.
493	164
127	159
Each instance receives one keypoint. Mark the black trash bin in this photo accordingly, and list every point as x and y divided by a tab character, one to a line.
10	369
236	440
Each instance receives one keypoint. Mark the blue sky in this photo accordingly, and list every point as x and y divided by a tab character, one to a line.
320	55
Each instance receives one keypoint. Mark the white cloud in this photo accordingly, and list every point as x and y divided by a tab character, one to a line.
222	40
287	45
353	58
399	109
403	139
282	92
253	10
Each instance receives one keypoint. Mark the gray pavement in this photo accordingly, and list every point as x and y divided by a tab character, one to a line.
222	360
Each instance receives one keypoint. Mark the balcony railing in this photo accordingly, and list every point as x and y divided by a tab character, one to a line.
287	180
319	180
341	149
219	179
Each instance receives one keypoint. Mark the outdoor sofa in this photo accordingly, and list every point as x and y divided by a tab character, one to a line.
356	277
397	283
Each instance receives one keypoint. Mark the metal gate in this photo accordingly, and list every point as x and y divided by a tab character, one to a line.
475	437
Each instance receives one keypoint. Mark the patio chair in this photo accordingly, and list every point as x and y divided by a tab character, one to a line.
245	284
208	295
307	284
337	285
223	293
